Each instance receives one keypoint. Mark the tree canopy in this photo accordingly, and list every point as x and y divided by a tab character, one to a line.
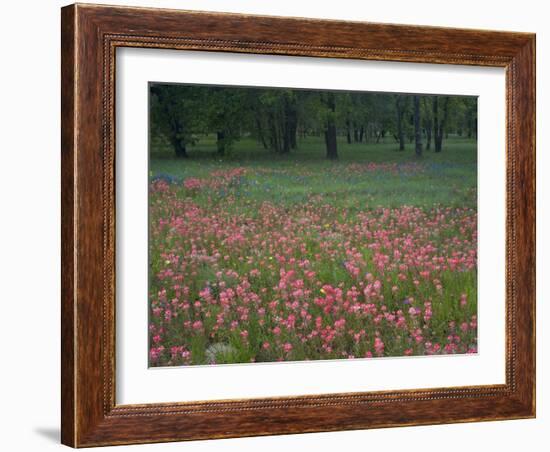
279	117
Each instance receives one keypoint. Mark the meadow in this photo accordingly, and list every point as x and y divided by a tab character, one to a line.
261	257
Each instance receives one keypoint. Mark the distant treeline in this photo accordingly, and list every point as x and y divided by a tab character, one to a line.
278	117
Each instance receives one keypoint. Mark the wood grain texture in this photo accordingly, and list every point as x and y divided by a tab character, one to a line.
68	310
90	36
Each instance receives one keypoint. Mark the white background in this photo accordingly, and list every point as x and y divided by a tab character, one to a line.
29	104
137	384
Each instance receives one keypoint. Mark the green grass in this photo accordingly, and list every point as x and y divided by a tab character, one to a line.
448	178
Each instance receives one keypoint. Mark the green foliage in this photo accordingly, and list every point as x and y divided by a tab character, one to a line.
176	112
276	118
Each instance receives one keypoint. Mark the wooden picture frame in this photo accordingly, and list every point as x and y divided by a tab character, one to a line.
90	36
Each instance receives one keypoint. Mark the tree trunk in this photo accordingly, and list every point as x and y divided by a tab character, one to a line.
175	124
261	132
439	125
361	134
291	122
286	138
330	133
348	131
438	136
400	129
294	132
417	130
220	142
401	136
428	125
176	129
438	142
179	147
274	135
330	140
471	122
286	133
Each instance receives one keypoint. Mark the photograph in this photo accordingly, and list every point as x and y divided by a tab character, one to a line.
292	224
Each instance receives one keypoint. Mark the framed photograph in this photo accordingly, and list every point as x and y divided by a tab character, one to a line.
282	225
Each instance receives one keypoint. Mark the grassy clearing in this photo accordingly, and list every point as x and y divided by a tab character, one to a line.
448	178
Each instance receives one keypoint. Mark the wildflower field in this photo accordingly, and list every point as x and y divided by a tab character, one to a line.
261	258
